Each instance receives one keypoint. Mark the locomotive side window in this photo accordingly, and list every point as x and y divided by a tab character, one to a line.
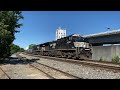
70	38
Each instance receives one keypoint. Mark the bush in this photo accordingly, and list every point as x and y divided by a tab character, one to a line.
101	59
115	59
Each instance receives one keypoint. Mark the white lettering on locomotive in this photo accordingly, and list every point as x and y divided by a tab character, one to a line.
79	44
43	48
53	45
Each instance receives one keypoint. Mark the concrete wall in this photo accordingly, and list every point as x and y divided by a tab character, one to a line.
106	52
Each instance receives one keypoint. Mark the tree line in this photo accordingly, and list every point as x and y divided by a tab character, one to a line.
9	22
15	48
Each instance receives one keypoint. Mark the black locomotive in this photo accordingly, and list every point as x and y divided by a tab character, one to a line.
72	46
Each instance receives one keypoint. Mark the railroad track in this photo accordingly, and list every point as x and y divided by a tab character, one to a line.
105	65
49	76
51	70
27	61
5	73
57	70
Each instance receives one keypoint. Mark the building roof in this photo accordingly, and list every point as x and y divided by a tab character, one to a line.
102	33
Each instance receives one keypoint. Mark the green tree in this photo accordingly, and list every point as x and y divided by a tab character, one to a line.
22	50
16	48
31	45
8	24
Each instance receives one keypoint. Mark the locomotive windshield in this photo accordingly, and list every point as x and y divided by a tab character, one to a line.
78	39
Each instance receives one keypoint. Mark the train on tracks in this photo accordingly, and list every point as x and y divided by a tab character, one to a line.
73	46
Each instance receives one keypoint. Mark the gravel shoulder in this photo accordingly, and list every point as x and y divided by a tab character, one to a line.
2	75
79	70
54	73
23	72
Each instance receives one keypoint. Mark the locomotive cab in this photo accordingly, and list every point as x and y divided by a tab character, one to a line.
82	47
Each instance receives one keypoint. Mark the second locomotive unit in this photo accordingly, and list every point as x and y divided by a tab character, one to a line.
72	46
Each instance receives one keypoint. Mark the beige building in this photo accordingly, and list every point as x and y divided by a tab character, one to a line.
60	33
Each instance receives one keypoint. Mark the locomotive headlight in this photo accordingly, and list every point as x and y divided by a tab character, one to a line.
38	47
50	45
84	45
73	47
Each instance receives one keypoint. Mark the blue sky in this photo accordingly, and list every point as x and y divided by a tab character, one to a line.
40	26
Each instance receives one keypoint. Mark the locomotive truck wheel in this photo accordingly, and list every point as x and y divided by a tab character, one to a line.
69	56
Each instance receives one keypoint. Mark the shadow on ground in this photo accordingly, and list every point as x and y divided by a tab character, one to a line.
15	60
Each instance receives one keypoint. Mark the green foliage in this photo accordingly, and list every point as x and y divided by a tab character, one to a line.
101	59
22	50
31	45
8	24
116	59
15	49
